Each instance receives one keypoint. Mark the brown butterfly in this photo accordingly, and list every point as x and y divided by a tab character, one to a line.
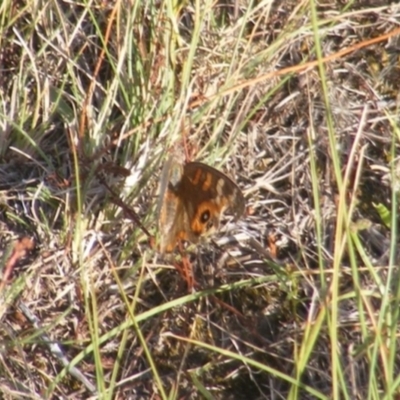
192	199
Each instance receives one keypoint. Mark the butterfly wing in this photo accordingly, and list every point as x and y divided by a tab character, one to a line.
208	193
217	187
171	213
192	199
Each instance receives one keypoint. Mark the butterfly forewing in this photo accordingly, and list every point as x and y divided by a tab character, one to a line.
216	185
192	199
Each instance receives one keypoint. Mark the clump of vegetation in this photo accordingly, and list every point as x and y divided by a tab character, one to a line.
297	102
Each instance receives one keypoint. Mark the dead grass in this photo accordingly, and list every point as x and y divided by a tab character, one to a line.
297	300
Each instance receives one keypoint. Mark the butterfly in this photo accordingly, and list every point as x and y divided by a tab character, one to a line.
192	199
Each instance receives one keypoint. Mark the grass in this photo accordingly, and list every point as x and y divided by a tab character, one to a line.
296	101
